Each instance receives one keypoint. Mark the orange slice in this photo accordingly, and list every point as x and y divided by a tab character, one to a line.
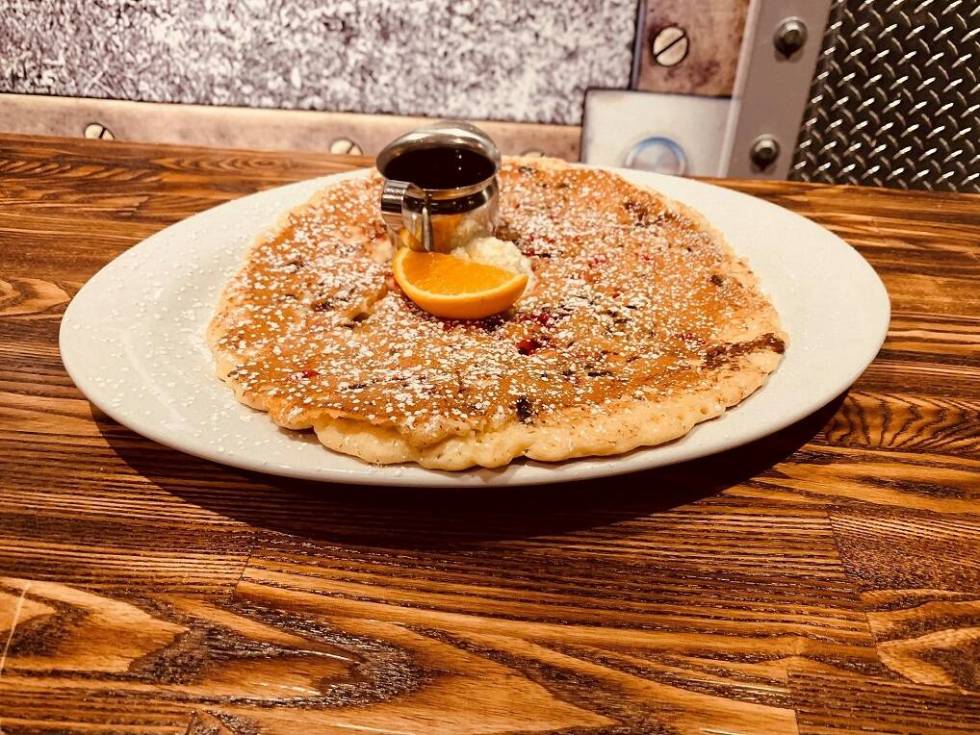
453	288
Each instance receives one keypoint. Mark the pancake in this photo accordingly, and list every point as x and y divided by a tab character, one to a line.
640	324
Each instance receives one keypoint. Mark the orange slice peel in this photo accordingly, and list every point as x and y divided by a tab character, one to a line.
453	288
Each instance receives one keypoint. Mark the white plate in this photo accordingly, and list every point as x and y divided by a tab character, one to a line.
133	341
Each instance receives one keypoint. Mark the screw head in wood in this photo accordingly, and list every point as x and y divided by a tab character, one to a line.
669	46
98	131
345	146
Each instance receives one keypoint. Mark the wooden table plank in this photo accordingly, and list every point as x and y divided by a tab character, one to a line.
823	580
834	704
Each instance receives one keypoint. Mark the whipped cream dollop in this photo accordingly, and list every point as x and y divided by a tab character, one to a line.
496	252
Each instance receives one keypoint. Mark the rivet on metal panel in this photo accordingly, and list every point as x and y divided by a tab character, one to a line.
764	152
790	36
669	46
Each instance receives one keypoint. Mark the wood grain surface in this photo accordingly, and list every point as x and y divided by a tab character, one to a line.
825	580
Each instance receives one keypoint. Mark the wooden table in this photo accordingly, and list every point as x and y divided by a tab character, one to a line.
823	580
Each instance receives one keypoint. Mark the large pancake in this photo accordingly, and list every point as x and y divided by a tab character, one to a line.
640	324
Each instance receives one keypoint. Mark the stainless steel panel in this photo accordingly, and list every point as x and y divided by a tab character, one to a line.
771	87
668	133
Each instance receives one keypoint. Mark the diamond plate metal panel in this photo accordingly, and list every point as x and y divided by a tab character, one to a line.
896	97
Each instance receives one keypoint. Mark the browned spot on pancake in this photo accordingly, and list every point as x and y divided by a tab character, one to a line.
523	408
720	354
639	212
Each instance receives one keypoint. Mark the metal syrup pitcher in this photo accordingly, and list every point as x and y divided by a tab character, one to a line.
440	188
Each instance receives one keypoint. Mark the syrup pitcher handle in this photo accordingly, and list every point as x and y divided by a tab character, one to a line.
405	209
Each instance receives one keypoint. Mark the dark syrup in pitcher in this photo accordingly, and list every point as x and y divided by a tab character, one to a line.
440	168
